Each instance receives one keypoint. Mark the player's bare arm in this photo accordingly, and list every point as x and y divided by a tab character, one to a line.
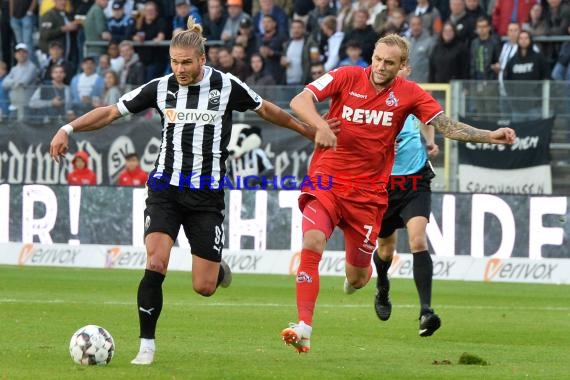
459	131
428	132
303	105
91	121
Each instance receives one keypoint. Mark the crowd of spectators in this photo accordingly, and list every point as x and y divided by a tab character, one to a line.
86	52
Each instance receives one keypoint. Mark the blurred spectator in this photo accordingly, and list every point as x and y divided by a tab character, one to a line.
246	37
104	64
537	24
81	174
133	72
111	93
474	9
508	50
228	64
334	41
506	11
20	80
431	18
317	70
409	6
297	54
361	32
375	7
80	7
344	15
561	70
382	18
133	174
526	65
267	7
56	58
214	21
353	55
151	30
212	55
259	76
463	22
485	50
316	15
58	25
120	25
184	10
271	48
301	9
286	5
47	5
95	27
238	52
235	16
4	102
128	8
86	87
23	22
558	17
449	58
421	46
52	101
117	61
6	33
396	24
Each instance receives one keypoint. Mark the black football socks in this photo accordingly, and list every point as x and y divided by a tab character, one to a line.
149	302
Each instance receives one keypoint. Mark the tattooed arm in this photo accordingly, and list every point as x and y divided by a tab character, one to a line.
456	130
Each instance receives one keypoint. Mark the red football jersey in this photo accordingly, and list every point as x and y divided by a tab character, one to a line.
370	122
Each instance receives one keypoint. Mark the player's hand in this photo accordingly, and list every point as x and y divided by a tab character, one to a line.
59	145
503	136
325	138
334	125
432	150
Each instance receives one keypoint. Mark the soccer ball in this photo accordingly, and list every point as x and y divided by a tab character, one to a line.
92	345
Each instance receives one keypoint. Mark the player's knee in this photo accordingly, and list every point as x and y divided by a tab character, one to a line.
157	265
418	243
386	251
314	240
358	282
205	289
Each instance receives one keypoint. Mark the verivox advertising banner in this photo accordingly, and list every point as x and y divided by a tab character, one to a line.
477	225
522	168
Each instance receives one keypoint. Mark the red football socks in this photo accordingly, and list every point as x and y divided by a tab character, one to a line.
308	284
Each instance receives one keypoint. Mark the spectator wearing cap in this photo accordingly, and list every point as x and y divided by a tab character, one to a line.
58	25
235	17
86	86
22	21
271	48
120	25
268	8
21	79
214	20
128	8
95	27
56	58
184	10
246	37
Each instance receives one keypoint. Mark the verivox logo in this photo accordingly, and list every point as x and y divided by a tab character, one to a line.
190	116
25	253
497	269
491	269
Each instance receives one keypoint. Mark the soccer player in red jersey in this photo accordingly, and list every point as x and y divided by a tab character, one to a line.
372	104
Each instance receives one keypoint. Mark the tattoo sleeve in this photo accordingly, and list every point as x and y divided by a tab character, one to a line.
456	130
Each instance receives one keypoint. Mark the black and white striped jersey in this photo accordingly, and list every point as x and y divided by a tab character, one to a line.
196	123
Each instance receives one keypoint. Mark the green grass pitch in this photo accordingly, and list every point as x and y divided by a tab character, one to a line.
522	331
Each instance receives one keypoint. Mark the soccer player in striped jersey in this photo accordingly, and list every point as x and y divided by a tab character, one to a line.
186	186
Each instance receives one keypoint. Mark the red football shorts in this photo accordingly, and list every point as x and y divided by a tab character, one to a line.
359	222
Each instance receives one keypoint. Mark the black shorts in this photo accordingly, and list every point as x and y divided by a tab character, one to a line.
407	198
167	210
